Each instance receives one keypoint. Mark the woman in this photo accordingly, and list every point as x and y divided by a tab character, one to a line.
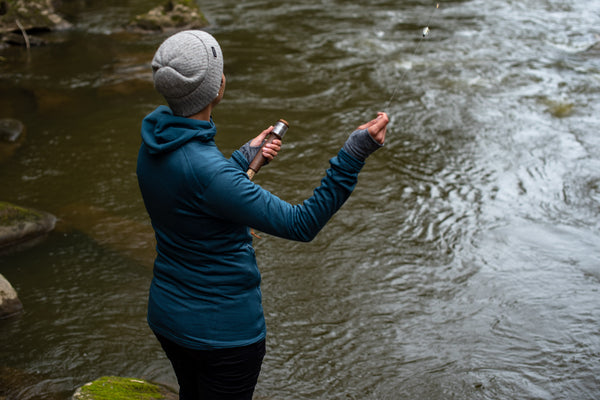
205	301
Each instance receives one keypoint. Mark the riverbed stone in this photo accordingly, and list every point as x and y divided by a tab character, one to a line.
31	14
10	140
10	305
171	15
119	388
11	130
20	226
12	133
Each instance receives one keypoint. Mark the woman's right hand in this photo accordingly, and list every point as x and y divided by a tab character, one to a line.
367	138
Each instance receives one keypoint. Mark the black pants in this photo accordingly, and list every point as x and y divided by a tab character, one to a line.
222	374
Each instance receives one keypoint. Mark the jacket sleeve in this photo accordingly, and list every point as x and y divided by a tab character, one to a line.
232	196
239	160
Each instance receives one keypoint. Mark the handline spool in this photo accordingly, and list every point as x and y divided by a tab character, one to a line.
279	129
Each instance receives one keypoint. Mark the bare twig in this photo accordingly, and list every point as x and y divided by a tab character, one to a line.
24	32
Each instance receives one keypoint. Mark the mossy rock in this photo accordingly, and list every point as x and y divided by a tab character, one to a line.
118	388
19	225
172	15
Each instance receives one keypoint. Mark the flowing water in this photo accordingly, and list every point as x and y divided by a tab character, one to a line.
466	264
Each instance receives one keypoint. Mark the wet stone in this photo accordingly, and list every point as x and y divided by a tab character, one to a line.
10	305
11	130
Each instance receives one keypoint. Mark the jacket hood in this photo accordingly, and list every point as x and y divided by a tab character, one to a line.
163	132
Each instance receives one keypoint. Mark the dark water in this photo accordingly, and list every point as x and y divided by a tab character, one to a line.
466	265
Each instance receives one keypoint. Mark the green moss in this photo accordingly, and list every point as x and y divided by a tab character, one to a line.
117	388
559	109
10	214
562	110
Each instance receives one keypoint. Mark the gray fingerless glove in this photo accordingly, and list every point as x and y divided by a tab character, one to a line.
360	144
250	152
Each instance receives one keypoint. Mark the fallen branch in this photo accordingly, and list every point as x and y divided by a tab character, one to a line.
24	32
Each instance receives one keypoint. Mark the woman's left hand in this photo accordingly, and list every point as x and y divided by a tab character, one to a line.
270	150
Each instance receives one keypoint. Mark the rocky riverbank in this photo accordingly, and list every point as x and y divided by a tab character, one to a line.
18	17
22	20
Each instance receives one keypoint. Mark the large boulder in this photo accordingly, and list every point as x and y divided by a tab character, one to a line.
10	304
22	226
114	387
171	15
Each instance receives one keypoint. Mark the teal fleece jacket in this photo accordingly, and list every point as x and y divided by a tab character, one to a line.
205	293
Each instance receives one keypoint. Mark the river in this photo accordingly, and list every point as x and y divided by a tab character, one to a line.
465	265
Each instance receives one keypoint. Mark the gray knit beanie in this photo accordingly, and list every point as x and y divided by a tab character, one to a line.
187	70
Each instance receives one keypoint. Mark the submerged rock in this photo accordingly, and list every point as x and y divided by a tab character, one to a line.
10	305
114	387
130	238
560	109
174	14
11	130
12	133
23	226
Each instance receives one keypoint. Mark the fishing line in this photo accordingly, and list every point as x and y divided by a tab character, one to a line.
425	32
